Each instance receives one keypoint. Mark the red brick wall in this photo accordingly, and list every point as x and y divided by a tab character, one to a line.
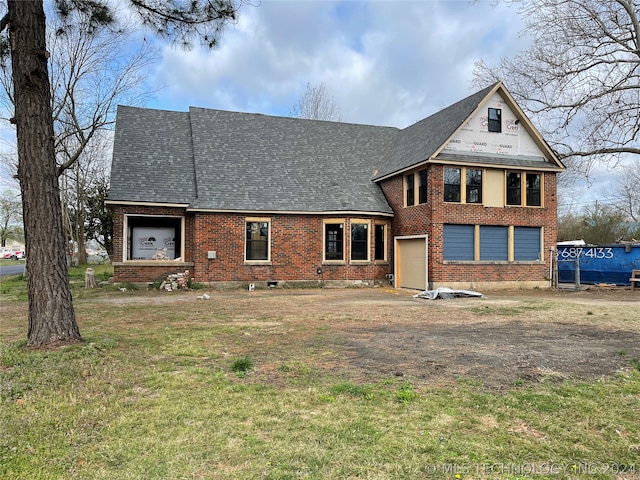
429	218
297	241
296	250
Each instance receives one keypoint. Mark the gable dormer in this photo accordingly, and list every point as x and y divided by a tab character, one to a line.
487	128
499	133
495	129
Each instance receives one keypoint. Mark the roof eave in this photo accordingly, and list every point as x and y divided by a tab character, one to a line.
290	212
146	204
446	161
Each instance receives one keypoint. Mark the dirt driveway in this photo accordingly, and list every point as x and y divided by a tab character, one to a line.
500	340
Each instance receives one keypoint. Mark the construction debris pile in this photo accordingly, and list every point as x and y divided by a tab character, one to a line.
444	292
176	281
161	254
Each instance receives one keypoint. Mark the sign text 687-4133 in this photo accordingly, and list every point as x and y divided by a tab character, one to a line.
591	252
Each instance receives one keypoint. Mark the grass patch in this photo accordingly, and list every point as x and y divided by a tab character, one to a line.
242	365
163	392
13	287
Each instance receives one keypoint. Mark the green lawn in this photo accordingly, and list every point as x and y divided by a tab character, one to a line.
183	390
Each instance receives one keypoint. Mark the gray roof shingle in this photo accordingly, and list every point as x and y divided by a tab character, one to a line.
259	162
228	161
152	157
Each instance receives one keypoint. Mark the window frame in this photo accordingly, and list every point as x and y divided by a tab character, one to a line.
367	239
529	191
513	188
478	187
325	223
522	243
423	188
494	125
469	238
383	240
260	261
447	185
464	251
409	190
415	187
464	189
524	193
493	243
129	224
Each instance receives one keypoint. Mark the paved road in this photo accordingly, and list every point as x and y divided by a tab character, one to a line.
17	269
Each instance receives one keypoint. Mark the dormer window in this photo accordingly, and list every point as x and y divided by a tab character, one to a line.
495	120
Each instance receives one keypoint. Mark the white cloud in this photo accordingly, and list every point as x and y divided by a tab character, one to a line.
384	62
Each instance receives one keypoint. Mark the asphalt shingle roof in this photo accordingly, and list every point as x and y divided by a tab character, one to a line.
229	161
152	157
259	162
219	160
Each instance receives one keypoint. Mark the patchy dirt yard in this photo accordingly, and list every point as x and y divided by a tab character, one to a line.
500	340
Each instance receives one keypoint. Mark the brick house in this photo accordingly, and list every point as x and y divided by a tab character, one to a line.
465	198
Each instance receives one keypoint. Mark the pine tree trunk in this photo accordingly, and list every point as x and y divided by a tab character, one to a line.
51	314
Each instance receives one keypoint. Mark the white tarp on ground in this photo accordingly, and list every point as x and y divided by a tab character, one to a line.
444	292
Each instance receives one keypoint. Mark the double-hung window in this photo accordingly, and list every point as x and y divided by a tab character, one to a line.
422	186
334	240
534	197
380	242
474	185
514	188
415	188
257	240
527	186
410	189
495	120
452	184
359	241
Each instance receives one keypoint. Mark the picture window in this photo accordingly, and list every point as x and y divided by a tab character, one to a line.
153	238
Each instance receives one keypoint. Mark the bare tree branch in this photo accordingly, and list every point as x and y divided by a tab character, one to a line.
580	79
316	104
